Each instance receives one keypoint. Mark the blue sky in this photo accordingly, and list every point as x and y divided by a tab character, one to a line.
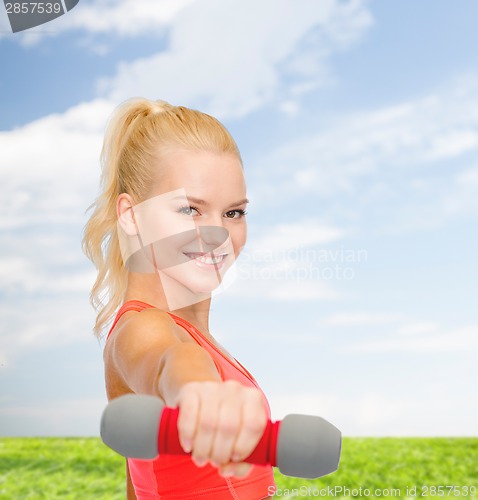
358	126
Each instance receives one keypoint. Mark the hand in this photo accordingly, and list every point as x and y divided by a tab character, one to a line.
221	423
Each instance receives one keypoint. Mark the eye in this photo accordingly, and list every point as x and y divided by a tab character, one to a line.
235	214
188	210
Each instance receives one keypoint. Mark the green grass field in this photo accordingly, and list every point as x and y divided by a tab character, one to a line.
79	468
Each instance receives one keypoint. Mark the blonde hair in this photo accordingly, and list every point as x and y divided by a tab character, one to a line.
136	131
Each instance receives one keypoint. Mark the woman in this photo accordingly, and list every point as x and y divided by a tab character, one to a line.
168	223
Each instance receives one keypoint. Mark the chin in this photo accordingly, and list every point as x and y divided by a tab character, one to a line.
199	285
194	281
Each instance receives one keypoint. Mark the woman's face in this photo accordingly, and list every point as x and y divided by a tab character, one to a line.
194	220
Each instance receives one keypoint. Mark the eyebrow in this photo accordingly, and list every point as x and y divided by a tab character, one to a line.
204	203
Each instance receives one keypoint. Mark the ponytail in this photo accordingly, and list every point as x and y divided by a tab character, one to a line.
130	149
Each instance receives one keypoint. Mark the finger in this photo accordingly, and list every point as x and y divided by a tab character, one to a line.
205	429
240	469
189	406
253	424
229	422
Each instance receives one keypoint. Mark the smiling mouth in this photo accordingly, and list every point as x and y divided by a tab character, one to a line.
206	258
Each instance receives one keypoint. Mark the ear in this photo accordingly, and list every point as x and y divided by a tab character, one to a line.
124	211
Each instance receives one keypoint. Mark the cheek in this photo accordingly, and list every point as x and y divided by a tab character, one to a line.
238	235
167	228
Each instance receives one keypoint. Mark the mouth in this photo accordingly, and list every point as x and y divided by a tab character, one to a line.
205	258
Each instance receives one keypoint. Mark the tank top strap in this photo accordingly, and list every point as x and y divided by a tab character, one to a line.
200	338
212	348
130	305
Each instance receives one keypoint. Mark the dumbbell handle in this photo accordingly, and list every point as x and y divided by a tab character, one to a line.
168	439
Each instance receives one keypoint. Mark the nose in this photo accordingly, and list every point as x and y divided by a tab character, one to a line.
212	237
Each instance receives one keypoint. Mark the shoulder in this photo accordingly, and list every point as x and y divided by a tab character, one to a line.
149	326
136	346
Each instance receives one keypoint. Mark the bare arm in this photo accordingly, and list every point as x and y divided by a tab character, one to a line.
220	422
152	358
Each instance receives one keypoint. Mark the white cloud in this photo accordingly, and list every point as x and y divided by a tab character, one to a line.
289	262
292	237
289	107
378	413
76	417
360	318
232	58
42	160
419	328
328	406
426	340
299	291
123	17
388	155
34	322
33	274
282	280
126	18
51	166
11	270
462	197
50	172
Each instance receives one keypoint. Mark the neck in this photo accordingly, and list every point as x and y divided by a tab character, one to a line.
167	296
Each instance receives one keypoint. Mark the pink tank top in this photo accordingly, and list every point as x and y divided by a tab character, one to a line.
174	477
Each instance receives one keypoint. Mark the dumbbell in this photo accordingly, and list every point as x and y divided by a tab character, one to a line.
140	426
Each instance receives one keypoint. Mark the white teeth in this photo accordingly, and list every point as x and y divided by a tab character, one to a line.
206	259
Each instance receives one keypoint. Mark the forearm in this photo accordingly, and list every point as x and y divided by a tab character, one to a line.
181	364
